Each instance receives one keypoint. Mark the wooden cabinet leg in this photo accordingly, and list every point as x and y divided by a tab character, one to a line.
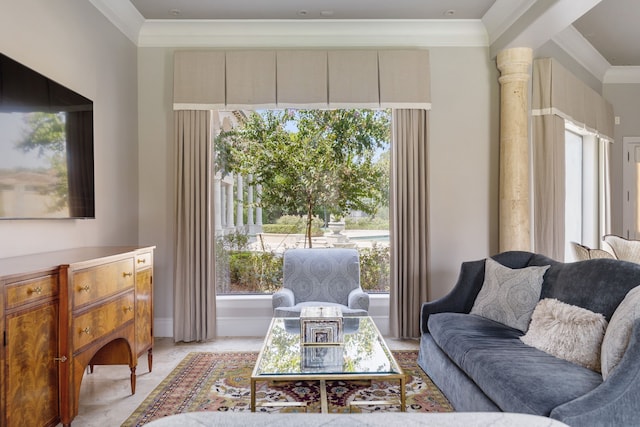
150	359
133	380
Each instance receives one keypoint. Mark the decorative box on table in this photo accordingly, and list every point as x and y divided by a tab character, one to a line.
321	326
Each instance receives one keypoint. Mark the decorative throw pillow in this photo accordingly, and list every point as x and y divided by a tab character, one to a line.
567	332
509	295
618	334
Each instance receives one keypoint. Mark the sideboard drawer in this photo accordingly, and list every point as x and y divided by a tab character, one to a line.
27	291
143	260
102	320
94	283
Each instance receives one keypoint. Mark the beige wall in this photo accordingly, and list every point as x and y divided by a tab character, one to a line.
71	42
626	105
157	214
463	148
463	167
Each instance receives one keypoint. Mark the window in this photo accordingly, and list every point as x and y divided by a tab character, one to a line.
586	197
299	178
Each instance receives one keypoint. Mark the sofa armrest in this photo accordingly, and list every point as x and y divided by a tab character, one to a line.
614	402
283	298
460	299
358	299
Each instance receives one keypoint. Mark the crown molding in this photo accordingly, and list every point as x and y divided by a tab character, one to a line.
621	75
312	33
123	15
579	48
353	33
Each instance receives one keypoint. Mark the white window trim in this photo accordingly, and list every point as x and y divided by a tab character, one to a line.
250	315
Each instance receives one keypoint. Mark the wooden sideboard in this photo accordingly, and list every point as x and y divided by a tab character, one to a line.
64	311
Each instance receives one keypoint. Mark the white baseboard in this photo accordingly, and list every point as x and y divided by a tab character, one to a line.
163	327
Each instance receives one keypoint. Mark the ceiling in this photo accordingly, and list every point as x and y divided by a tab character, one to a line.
613	28
312	9
602	35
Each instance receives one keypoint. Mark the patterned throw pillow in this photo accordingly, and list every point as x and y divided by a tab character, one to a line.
509	295
567	332
616	339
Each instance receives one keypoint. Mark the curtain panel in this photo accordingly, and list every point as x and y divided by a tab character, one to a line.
194	288
548	189
558	96
409	223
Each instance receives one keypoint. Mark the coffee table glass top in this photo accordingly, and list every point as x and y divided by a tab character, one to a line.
363	351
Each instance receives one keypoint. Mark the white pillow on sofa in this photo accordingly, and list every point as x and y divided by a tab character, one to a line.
616	339
567	332
509	295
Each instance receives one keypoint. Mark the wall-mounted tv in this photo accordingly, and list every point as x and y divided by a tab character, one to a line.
46	147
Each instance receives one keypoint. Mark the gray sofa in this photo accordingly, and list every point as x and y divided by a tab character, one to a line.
482	365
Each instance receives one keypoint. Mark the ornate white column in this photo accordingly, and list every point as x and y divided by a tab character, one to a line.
217	205
515	209
229	206
240	208
250	203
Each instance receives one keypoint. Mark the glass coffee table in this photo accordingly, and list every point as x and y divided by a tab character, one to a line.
363	356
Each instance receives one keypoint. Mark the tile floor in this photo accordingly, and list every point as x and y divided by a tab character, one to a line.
105	395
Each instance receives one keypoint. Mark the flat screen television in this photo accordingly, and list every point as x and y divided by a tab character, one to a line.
46	147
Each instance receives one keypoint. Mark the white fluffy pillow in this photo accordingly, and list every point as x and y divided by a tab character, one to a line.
616	339
568	332
509	295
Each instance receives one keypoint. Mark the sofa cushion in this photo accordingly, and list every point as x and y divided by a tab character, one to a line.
517	377
599	285
616	338
509	295
568	332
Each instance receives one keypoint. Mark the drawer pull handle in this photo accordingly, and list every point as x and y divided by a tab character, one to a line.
85	331
128	309
60	359
84	288
141	260
127	274
37	290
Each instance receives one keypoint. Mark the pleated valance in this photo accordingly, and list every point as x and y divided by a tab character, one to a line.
556	91
213	79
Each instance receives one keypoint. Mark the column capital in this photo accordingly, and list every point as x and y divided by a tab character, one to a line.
514	64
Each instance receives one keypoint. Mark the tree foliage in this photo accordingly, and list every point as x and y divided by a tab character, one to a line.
310	159
46	135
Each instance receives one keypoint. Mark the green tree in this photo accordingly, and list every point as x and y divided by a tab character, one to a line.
309	159
46	134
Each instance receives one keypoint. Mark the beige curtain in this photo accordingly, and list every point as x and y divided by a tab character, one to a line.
194	291
548	188
558	95
409	223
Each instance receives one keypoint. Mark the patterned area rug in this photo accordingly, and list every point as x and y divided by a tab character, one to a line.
221	382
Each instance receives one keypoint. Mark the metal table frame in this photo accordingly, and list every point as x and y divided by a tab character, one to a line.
324	377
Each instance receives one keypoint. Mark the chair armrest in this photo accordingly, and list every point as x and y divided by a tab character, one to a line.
614	402
358	299
283	298
460	299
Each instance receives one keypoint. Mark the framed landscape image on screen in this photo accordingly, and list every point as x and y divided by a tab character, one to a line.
46	147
